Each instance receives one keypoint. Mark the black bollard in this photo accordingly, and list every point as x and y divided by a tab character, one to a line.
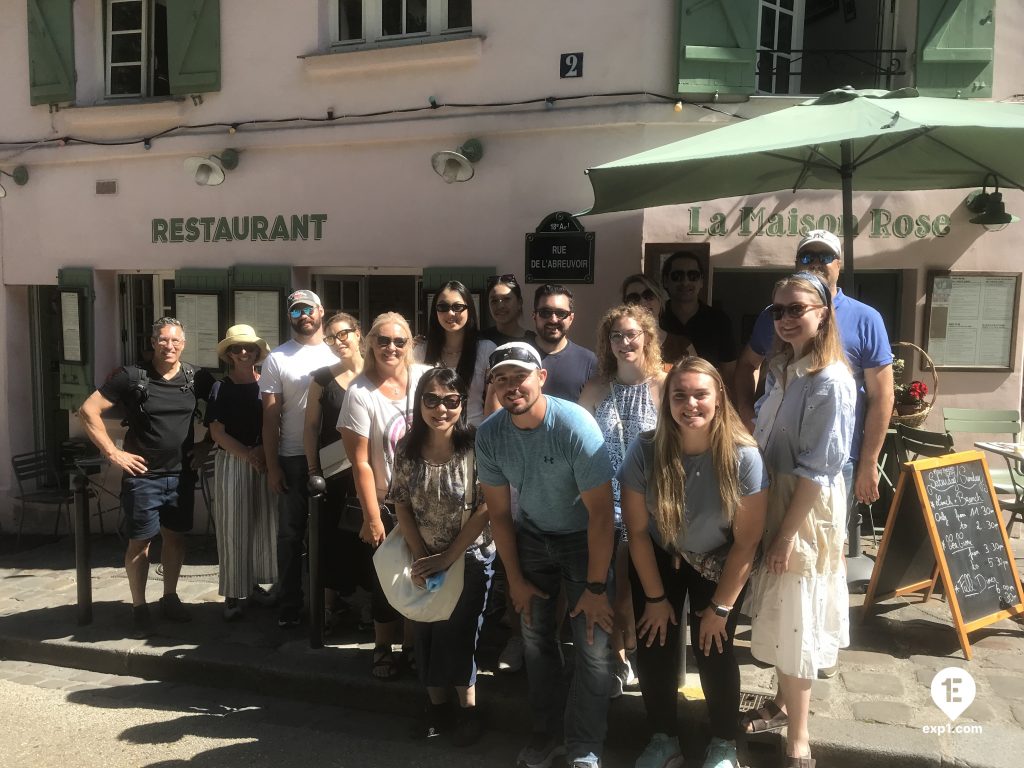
317	485
83	568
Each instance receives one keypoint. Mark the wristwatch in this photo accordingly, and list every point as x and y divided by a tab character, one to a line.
722	610
597	587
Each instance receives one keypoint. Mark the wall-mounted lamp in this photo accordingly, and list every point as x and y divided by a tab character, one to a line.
989	206
20	176
458	165
209	171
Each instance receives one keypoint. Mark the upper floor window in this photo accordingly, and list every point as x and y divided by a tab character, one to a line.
136	48
363	21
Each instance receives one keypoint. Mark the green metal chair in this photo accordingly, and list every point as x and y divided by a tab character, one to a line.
913	443
39	484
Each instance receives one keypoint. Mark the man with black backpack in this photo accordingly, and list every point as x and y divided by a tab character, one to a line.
159	402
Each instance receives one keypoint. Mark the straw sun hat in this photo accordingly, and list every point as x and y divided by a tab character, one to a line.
242	334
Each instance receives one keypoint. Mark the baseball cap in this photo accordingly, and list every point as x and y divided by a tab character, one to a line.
307	298
824	237
517	353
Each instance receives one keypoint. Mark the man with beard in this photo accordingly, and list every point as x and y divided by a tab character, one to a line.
283	386
568	365
687	320
554	455
160	402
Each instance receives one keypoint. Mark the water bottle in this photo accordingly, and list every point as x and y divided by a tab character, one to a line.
434	581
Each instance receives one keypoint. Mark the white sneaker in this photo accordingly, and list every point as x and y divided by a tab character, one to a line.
721	754
511	657
662	752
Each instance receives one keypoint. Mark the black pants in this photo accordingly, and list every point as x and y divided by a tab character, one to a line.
658	666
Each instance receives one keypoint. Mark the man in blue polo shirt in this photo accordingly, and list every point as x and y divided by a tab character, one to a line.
867	349
553	453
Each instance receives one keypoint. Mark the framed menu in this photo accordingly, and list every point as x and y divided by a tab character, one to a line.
71	303
971	320
199	314
263	310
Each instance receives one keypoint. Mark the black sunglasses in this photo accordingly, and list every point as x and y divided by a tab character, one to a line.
300	311
547	313
236	349
338	337
495	279
636	298
677	275
809	257
458	307
792	310
386	341
451	402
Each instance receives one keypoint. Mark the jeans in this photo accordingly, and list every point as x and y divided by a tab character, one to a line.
548	561
291	531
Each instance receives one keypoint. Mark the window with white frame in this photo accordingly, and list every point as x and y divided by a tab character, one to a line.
135	48
372	21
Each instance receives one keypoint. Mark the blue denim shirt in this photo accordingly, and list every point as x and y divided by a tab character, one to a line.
805	426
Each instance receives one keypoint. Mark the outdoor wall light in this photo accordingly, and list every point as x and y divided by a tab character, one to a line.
989	206
457	165
20	176
209	171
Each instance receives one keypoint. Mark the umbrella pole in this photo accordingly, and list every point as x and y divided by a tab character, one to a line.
849	223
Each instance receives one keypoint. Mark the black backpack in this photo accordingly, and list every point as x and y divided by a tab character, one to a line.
138	392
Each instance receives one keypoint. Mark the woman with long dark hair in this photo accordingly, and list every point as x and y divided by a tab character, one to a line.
453	341
693	499
799	605
443	519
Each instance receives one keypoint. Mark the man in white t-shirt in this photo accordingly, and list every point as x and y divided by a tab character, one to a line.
283	386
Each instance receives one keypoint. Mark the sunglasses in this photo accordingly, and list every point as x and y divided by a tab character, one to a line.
677	275
792	310
386	341
300	311
615	337
458	307
636	298
451	402
495	279
809	257
546	313
237	349
339	337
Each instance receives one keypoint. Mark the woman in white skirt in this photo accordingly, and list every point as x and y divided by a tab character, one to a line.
799	602
244	509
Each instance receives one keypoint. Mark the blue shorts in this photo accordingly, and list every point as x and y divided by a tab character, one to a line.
152	503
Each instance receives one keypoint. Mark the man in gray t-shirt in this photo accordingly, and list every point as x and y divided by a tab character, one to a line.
569	366
553	453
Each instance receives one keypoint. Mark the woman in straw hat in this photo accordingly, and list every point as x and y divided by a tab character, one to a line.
244	509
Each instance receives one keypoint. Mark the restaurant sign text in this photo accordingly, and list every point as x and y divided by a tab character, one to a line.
881	223
215	229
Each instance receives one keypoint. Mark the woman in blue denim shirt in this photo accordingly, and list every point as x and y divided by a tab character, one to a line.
799	601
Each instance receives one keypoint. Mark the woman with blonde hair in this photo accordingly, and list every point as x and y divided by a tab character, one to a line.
693	500
799	602
244	509
375	416
623	399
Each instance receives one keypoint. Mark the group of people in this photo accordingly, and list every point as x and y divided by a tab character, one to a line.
608	487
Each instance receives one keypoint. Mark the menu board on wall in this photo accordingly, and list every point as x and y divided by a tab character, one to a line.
199	314
262	310
71	327
971	320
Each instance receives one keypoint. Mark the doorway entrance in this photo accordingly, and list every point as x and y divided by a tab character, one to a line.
364	296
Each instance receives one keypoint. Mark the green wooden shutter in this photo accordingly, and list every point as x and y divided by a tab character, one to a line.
76	379
955	42
51	51
474	278
193	46
717	46
186	280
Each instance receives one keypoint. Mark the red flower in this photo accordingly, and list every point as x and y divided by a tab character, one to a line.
917	390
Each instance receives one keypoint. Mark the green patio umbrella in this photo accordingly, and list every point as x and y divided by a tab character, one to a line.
874	140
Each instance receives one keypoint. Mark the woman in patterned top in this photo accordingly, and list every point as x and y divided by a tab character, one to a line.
624	398
443	519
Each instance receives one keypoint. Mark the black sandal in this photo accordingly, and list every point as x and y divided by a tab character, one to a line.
407	661
765	719
385	665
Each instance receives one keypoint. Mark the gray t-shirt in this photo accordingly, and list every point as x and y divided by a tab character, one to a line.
549	465
706	528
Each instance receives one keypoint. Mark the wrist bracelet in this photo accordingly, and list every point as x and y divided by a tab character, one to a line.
659	599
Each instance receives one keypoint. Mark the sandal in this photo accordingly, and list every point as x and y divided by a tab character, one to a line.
799	762
764	720
385	666
407	661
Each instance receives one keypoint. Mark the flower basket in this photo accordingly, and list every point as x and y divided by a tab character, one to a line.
917	418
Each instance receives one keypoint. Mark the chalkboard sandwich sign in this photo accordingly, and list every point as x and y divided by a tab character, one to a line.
945	522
